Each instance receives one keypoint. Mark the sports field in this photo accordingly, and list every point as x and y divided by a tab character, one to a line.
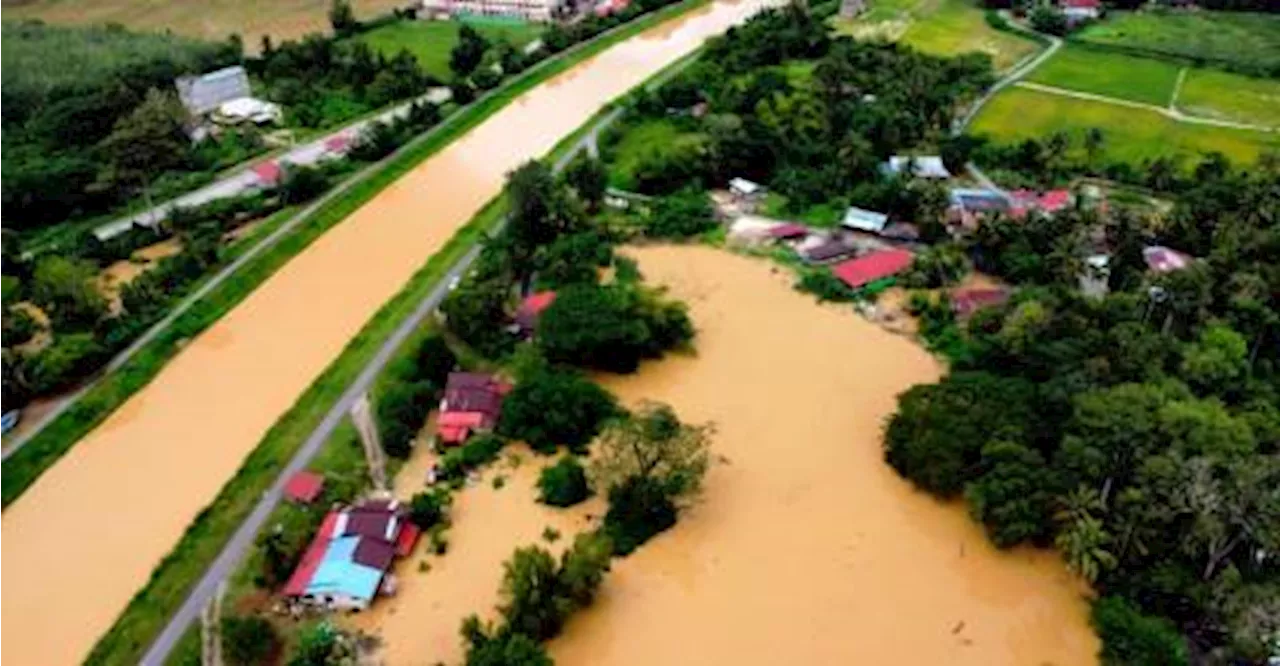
432	41
1241	38
1216	94
1143	80
1131	135
940	27
210	19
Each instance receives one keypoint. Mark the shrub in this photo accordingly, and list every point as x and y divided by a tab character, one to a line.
1130	638
70	358
401	411
303	183
18	327
639	509
551	408
684	214
479	450
564	483
827	287
427	508
247	640
66	289
434	360
501	648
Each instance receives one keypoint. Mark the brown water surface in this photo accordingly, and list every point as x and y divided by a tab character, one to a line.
86	536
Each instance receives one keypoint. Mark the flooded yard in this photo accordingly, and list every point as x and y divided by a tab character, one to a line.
125	494
805	548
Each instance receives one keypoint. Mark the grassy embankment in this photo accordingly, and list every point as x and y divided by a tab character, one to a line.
939	27
175	575
432	41
1131	135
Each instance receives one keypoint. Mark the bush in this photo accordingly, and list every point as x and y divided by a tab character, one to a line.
552	408
401	411
427	508
477	451
827	287
1130	638
564	483
434	360
503	648
248	640
67	290
639	509
303	183
70	358
684	214
18	327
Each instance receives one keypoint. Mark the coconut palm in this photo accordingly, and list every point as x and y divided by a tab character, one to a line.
1084	543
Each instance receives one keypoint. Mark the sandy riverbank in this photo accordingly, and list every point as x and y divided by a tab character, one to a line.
806	547
86	536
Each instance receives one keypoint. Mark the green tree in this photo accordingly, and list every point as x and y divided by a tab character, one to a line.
1216	359
530	603
611	327
1084	543
684	214
67	290
342	18
553	408
1130	638
468	52
572	259
476	311
427	508
1050	19
322	645
247	640
564	483
401	411
486	647
434	360
145	143
589	179
582	569
1094	140
1012	496
71	357
937	266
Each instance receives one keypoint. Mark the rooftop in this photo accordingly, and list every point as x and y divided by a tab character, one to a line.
865	220
304	487
866	269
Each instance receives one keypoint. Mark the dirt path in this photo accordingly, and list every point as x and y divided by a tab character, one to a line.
807	548
133	485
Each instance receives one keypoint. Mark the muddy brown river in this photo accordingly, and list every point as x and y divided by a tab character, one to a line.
86	536
805	548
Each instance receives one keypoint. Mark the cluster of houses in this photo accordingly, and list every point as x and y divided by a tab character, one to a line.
348	562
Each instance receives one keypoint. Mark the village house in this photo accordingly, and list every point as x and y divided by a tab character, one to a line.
824	249
966	301
348	561
860	272
529	10
969	206
1079	11
224	96
859	219
921	166
472	403
1023	202
304	487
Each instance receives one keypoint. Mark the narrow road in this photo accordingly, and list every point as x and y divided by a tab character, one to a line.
1016	73
239	543
1168	112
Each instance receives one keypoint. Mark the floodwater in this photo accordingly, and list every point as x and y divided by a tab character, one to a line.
805	547
86	536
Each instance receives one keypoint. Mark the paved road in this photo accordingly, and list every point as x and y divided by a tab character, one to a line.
1020	70
244	536
1168	111
244	180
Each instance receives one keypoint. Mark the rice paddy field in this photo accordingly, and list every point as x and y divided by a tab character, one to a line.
432	41
1132	135
1216	94
208	19
940	27
1241	39
1125	77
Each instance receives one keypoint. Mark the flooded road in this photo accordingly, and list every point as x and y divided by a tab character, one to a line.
86	536
805	548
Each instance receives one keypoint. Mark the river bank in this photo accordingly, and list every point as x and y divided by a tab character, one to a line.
161	458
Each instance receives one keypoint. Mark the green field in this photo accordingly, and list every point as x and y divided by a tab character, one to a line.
1132	135
939	27
1111	74
639	142
431	41
1241	39
1217	94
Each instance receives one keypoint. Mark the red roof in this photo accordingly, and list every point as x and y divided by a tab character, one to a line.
454	434
532	308
462	419
872	267
337	144
966	301
789	230
311	559
268	172
304	487
1082	4
406	539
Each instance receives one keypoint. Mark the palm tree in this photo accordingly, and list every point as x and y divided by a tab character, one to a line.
1093	140
1083	543
1079	504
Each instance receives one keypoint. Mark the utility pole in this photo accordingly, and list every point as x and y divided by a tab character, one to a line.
362	417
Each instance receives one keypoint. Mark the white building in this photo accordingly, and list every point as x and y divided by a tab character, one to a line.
530	10
921	166
225	96
1081	10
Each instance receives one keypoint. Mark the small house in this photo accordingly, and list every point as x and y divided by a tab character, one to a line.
965	302
304	487
788	231
268	173
860	219
1023	202
745	189
225	96
824	250
921	166
864	270
472	403
969	206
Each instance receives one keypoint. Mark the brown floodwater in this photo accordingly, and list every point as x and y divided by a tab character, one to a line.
805	547
85	537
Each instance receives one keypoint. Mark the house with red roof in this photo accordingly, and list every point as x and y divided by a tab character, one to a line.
268	173
348	562
304	487
472	403
531	309
965	302
864	270
1025	201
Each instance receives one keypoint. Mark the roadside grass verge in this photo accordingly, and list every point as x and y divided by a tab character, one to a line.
1112	74
173	577
1130	135
1216	94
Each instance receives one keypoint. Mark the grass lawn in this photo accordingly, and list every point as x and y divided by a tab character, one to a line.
1112	74
939	27
1241	38
432	41
638	142
1132	135
1217	94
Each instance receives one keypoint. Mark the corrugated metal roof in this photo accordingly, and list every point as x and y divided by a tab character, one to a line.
204	93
